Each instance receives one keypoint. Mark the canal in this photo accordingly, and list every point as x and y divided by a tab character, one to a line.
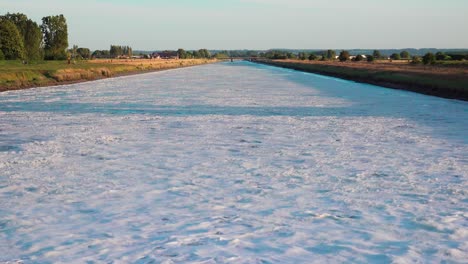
232	163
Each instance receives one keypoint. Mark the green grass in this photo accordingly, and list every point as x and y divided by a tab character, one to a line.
453	63
41	66
16	75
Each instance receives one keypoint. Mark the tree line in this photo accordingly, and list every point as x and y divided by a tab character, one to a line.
117	51
21	38
127	52
344	55
195	54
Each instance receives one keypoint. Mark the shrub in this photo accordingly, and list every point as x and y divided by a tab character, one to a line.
359	58
330	54
291	55
344	55
440	56
416	60
2	56
405	54
302	55
395	56
312	57
280	57
456	56
370	58
429	58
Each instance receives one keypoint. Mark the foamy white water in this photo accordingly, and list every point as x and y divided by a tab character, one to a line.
232	163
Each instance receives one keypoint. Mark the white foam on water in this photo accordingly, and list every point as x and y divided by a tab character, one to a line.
231	163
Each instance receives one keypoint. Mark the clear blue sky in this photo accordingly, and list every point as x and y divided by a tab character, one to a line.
256	24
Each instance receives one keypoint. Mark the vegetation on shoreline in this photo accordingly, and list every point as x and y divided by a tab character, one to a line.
15	75
32	55
447	82
23	39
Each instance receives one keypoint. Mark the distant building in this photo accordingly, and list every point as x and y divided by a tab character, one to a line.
354	57
166	55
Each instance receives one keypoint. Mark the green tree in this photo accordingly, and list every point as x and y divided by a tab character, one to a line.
30	33
33	42
201	53
182	53
100	54
331	54
204	53
280	56
117	51
442	56
11	43
359	57
344	55
291	55
113	51
84	53
123	51
302	56
395	56
405	54
416	60
429	58
370	58
222	55
74	52
55	31
376	54
2	57
312	57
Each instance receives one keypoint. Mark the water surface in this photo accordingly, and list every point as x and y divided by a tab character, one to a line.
232	163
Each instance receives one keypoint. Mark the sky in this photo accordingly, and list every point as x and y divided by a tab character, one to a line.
256	24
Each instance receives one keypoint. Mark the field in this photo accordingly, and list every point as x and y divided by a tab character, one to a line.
15	75
444	80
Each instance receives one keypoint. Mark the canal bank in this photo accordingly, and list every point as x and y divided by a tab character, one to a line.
446	82
17	76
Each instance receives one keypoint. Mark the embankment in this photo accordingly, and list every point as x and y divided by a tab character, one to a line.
14	75
447	82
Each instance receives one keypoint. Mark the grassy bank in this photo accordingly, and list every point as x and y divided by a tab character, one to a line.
442	81
15	75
